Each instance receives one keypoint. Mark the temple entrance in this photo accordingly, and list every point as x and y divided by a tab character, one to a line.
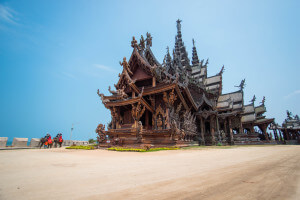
207	128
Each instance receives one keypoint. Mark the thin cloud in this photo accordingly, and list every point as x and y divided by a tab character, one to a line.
296	92
105	68
7	15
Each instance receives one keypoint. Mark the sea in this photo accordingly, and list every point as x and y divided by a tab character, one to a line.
9	143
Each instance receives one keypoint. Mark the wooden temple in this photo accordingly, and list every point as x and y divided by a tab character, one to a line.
175	102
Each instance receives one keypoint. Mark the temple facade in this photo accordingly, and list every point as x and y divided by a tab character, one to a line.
175	102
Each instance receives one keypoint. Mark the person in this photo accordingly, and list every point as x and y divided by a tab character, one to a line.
60	138
49	139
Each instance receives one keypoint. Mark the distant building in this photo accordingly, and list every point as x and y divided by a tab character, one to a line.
289	131
176	102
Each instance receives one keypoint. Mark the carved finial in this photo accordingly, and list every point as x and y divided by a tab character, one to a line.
142	42
126	66
222	70
149	39
242	85
263	101
253	99
193	42
134	42
207	62
289	114
178	25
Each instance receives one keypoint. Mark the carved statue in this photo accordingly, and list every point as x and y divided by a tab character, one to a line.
253	99
142	43
126	66
159	122
242	85
137	111
101	133
149	40
289	115
134	43
139	132
178	24
175	131
171	99
122	93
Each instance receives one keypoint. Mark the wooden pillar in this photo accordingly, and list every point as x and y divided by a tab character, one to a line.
264	130
241	126
275	134
230	132
225	126
212	131
168	118
218	125
153	81
147	119
252	129
280	136
133	94
202	131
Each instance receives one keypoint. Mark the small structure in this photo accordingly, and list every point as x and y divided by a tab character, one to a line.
74	142
3	141
289	131
19	142
34	142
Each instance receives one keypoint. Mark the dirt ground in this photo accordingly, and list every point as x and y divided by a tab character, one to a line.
264	172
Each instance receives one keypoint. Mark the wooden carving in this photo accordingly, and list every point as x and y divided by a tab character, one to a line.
139	134
137	111
169	99
102	97
126	66
101	133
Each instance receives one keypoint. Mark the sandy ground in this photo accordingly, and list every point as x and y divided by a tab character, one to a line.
271	172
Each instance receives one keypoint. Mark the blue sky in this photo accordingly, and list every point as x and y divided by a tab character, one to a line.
54	55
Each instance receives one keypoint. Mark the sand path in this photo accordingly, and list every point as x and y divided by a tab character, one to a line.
271	172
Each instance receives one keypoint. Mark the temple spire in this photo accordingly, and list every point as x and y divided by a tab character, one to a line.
180	51
168	58
195	59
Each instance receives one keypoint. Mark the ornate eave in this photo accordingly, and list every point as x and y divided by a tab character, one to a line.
129	102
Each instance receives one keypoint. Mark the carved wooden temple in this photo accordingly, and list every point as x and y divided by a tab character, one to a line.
176	102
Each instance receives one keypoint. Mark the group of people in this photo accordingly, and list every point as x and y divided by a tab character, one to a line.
50	141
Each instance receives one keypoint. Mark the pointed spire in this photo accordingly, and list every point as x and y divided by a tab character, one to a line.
168	57
195	59
180	51
178	25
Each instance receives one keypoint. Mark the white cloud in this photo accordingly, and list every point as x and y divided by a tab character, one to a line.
7	14
296	92
105	68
